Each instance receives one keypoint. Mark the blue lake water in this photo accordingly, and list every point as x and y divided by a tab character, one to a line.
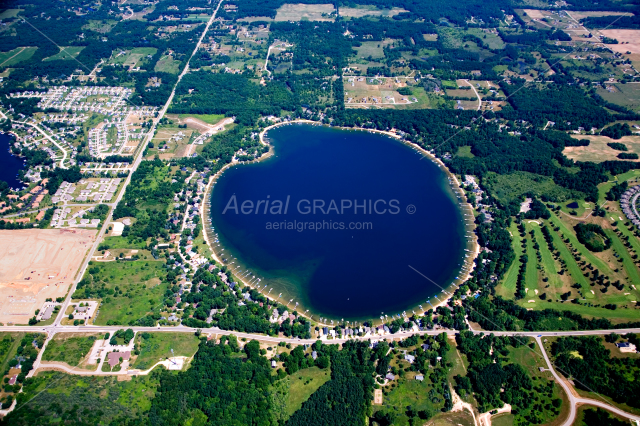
355	274
10	165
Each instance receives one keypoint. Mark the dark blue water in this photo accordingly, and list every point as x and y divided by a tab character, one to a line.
354	274
10	165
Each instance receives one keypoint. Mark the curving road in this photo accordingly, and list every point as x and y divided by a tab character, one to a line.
575	399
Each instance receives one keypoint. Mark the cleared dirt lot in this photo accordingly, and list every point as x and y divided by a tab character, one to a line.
311	12
598	151
623	36
36	264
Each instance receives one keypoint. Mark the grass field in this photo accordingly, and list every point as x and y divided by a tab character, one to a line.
373	48
122	243
133	57
69	348
100	26
66	53
167	64
132	289
598	150
102	400
626	95
156	347
513	185
207	118
10	13
16	55
303	383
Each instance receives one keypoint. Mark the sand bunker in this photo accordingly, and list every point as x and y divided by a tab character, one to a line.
36	264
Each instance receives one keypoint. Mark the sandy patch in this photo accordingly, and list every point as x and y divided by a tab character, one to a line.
359	12
623	36
598	150
534	14
37	264
310	12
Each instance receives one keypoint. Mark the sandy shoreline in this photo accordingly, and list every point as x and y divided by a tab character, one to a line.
469	262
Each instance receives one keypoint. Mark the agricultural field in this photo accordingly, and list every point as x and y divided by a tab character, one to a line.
129	290
156	347
16	55
71	349
598	150
66	53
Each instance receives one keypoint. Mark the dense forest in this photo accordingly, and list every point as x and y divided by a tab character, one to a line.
595	370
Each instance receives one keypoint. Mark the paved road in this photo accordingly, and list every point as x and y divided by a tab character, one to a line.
476	92
64	151
134	166
575	398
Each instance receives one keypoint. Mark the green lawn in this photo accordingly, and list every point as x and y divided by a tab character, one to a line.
627	262
121	243
531	276
582	250
69	349
207	118
548	263
66	53
157	347
130	289
303	384
508	287
572	267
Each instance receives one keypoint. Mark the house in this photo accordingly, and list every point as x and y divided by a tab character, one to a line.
390	376
274	364
410	358
47	312
114	357
12	380
420	377
325	330
314	355
425	347
626	347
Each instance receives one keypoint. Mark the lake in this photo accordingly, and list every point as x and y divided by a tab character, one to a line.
10	165
342	222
